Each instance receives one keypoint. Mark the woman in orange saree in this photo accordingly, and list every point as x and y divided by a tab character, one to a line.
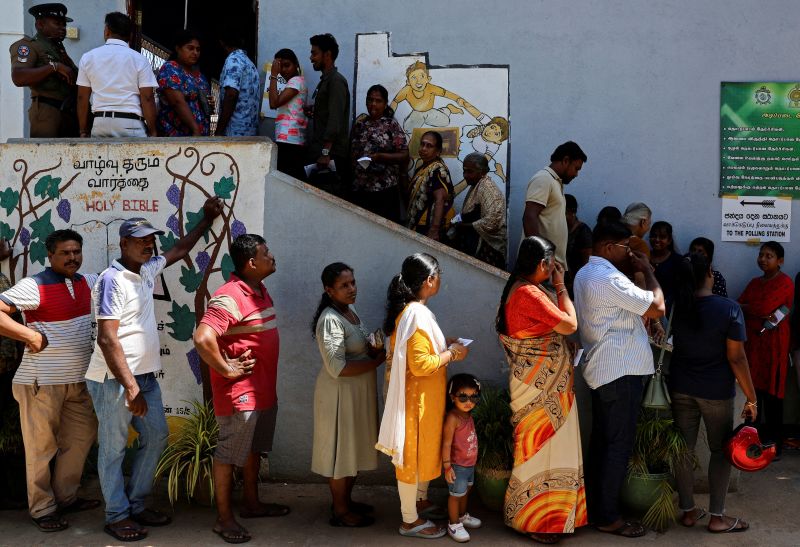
545	497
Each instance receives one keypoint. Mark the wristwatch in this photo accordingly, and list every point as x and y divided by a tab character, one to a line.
326	152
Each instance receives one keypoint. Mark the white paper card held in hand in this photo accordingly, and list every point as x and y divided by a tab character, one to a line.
464	341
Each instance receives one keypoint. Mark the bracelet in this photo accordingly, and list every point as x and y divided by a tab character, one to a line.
453	354
559	293
557	284
53	64
273	78
748	403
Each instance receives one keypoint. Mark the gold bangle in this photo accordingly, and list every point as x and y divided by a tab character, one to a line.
453	354
748	403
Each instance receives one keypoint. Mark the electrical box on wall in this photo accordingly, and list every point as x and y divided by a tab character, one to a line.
72	32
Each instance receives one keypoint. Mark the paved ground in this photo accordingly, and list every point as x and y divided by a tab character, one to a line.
769	500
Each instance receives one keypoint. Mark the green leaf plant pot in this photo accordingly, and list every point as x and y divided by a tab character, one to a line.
492	485
640	491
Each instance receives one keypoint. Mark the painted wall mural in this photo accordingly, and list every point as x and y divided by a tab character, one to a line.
92	188
467	104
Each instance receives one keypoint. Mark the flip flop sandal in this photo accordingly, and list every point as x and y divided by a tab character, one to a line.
362	521
733	529
700	516
271	510
54	519
139	533
151	517
80	504
416	531
232	536
627	529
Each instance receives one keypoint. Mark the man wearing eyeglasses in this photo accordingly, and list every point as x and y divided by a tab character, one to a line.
617	359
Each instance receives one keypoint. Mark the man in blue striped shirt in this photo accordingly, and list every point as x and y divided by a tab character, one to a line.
617	359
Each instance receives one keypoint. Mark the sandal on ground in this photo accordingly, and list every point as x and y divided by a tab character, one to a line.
432	512
360	522
128	532
80	504
232	535
151	517
50	523
417	531
547	539
738	526
701	514
269	510
628	529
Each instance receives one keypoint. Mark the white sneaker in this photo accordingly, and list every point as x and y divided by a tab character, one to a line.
469	521
457	532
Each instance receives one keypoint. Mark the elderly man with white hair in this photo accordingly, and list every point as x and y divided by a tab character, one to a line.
638	216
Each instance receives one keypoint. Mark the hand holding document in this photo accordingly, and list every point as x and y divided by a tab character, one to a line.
313	168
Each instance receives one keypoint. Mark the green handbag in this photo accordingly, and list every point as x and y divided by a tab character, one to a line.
656	395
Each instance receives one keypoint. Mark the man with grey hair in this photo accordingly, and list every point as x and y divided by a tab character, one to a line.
638	216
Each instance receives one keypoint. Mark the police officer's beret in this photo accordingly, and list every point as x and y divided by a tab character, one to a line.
58	11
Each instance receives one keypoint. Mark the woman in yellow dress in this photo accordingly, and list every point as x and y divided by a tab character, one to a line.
411	428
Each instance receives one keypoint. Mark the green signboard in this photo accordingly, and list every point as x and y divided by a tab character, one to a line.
760	139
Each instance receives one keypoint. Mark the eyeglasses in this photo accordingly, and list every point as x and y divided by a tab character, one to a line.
626	247
463	398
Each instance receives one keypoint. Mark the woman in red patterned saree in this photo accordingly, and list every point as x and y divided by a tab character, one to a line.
545	497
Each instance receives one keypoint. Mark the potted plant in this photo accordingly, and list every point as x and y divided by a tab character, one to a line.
658	449
189	458
492	418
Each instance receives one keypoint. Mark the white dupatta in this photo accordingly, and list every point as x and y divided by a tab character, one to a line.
392	435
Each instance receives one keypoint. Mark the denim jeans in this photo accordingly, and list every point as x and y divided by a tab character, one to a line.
112	435
718	418
615	410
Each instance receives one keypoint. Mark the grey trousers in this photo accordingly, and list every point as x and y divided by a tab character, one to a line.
718	418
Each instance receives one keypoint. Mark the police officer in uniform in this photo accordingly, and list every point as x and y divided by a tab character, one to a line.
42	64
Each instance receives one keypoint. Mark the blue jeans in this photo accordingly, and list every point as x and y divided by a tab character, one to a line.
615	410
112	435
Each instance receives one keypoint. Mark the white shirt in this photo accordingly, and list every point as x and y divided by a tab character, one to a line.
115	73
128	297
610	309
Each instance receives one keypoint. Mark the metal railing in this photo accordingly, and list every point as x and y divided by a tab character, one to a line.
157	55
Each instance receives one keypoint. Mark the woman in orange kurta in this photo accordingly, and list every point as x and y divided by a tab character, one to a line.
768	351
411	427
545	497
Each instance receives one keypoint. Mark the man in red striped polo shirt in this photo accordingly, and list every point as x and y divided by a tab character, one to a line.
56	411
238	338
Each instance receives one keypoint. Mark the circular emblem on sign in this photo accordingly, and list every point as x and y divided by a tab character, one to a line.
23	51
763	95
794	96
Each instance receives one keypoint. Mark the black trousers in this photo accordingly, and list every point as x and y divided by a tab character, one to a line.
291	158
770	419
615	411
385	203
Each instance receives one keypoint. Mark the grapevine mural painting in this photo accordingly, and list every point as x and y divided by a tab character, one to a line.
91	188
467	104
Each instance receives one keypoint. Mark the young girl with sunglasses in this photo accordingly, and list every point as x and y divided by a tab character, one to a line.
460	452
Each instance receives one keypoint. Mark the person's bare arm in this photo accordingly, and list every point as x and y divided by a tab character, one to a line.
737	359
211	210
148	102
176	99
357	368
33	339
569	324
530	218
83	109
229	100
439	196
641	264
108	342
448	431
28	76
232	368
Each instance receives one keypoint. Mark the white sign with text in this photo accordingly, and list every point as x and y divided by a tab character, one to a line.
754	219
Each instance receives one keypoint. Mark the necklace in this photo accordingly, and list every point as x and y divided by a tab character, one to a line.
349	314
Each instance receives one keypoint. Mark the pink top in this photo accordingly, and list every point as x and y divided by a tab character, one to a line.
464	450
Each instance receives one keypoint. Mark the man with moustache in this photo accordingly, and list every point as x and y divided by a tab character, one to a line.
42	64
238	338
545	204
121	376
56	415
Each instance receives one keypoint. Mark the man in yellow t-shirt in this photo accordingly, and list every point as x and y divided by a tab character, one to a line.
545	204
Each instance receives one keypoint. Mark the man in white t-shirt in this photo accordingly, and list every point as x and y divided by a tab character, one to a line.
121	376
545	204
121	84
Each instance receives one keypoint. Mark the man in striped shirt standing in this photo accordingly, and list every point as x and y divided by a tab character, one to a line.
616	362
56	412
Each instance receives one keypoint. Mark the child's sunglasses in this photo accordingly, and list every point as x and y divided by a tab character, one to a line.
463	398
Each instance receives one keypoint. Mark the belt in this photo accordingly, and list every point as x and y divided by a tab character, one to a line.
126	115
57	103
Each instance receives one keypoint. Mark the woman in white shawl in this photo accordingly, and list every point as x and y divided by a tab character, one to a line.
411	428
